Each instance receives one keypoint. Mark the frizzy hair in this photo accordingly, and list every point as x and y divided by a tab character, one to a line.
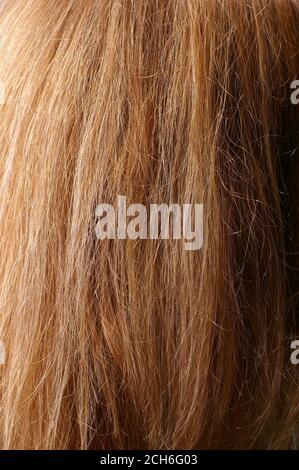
123	344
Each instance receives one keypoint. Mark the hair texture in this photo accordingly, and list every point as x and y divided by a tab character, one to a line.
139	344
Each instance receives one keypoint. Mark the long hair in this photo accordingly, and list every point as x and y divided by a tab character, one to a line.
127	344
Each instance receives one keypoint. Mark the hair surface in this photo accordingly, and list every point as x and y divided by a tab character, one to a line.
123	344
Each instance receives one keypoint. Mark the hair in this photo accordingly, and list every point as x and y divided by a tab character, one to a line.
139	344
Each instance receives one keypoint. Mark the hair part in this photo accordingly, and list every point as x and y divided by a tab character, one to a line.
123	344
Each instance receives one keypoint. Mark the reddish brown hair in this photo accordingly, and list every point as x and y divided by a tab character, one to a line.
140	344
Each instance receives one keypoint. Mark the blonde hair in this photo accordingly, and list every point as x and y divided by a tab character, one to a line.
128	344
